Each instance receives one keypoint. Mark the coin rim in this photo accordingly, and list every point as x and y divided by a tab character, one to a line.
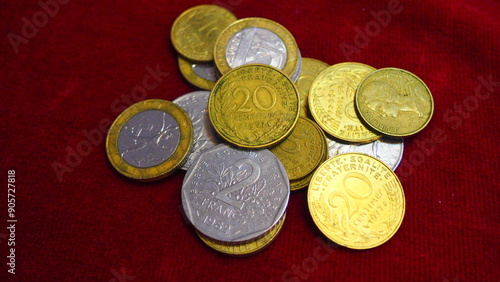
192	77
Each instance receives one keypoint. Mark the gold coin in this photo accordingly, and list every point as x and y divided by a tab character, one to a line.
254	106
394	102
356	201
301	152
150	140
248	247
331	101
201	75
311	68
195	31
256	41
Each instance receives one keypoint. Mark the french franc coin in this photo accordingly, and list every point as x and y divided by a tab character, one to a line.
234	195
311	68
201	75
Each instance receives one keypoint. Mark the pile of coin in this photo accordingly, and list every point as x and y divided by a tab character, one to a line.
273	122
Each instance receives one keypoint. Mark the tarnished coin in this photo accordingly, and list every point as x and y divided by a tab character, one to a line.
247	247
195	31
234	195
394	102
201	75
356	201
331	102
301	152
205	137
311	68
257	41
254	106
149	140
388	150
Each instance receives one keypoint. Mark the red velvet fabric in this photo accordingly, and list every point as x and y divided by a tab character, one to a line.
73	71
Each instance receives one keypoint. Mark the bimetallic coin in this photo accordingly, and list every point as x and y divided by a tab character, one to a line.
149	140
331	102
311	68
245	248
235	195
301	152
256	41
356	201
201	75
394	102
298	70
205	137
195	31
254	106
388	150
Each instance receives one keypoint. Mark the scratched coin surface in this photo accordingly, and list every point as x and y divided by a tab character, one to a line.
356	201
195	31
331	101
149	140
254	106
388	150
234	195
205	137
247	247
257	41
302	151
394	102
201	75
311	68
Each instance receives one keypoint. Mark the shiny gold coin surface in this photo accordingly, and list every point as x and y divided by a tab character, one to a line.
195	31
394	102
311	68
254	106
256	41
248	247
331	101
301	152
201	75
150	140
356	201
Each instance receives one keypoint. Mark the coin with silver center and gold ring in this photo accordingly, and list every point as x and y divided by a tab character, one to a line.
356	201
201	75
311	68
150	140
254	106
394	102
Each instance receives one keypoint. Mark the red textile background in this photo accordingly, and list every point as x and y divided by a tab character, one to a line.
81	65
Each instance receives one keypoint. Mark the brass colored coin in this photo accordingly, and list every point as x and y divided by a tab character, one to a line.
331	101
256	41
311	68
254	106
248	247
150	140
301	152
394	102
195	31
201	75
356	201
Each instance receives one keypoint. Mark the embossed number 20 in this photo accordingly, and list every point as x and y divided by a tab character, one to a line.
260	89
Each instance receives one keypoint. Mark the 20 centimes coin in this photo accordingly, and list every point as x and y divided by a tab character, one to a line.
205	137
201	75
388	150
394	102
150	140
234	195
257	41
302	151
195	31
254	106
356	201
331	102
247	247
311	68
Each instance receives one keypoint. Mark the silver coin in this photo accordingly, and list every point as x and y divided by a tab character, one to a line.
233	195
206	71
148	138
205	136
388	150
